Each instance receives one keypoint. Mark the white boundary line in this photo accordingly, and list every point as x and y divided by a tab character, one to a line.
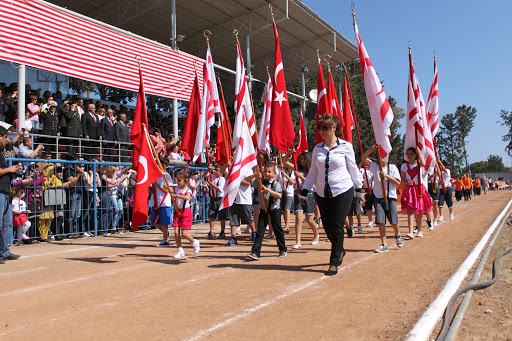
249	311
423	328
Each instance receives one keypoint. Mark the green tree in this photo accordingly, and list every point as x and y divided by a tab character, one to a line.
448	143
494	164
479	167
465	118
506	120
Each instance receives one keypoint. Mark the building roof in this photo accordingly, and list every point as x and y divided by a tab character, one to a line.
301	31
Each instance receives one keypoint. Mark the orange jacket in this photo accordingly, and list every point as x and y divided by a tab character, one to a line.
459	185
476	183
467	183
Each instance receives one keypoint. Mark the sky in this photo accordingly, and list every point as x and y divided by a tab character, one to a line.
472	42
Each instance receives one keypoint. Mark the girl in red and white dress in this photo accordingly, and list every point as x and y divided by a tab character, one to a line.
415	198
182	221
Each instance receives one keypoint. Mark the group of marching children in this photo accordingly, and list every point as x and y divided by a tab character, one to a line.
267	193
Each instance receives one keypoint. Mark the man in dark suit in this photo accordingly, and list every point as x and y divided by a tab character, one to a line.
51	127
73	127
122	135
91	130
107	127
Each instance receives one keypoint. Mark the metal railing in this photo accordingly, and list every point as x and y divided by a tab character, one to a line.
60	211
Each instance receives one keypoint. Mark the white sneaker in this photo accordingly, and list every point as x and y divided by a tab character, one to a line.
451	216
370	224
87	235
196	246
441	218
296	246
248	230
435	222
180	253
238	231
419	235
431	228
267	228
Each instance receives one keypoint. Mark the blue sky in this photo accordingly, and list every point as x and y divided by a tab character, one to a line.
472	41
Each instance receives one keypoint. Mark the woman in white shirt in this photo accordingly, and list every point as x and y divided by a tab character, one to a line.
333	175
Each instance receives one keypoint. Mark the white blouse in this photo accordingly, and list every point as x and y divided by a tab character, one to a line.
343	172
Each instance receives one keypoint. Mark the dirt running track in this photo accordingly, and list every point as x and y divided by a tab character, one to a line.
124	288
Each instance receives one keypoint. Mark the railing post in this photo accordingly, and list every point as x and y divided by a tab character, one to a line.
94	194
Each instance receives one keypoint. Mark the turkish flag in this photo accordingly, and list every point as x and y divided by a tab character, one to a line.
302	144
147	173
322	101
282	133
333	99
139	118
347	112
190	131
221	157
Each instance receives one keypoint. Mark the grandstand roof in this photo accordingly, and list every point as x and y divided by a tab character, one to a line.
301	31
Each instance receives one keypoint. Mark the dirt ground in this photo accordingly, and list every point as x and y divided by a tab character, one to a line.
122	287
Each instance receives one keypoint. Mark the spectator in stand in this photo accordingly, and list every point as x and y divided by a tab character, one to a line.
27	151
58	98
109	134
100	112
80	107
30	125
91	130
3	106
51	128
177	154
122	135
158	142
46	103
5	213
46	218
74	191
73	127
12	102
32	106
11	146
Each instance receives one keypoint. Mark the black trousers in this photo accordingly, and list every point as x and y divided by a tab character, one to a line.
91	150
275	218
458	195
334	212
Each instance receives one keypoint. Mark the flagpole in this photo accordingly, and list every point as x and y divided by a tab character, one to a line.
173	197
257	168
384	193
357	126
415	127
225	111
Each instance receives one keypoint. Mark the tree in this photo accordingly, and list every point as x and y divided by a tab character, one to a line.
506	118
448	143
465	117
494	164
479	167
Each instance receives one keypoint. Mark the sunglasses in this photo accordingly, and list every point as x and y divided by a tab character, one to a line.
324	127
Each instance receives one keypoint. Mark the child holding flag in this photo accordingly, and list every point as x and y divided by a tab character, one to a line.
391	177
182	221
415	198
272	195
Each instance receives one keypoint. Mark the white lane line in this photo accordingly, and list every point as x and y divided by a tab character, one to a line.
271	301
20	272
423	328
118	300
74	280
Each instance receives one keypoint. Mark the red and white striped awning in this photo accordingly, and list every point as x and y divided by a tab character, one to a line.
41	36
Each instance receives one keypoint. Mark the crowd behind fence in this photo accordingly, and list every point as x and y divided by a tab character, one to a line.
56	199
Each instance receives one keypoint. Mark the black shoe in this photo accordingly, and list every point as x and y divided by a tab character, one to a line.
232	242
2	261
211	235
333	270
350	231
282	254
287	231
342	256
222	235
12	256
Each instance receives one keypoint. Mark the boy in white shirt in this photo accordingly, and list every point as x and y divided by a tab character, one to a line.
391	177
162	207
242	210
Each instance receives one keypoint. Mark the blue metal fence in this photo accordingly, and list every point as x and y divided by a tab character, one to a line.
55	210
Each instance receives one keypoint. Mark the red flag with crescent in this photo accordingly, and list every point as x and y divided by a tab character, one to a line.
147	173
140	117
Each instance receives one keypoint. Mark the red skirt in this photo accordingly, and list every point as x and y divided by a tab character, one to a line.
414	203
184	221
